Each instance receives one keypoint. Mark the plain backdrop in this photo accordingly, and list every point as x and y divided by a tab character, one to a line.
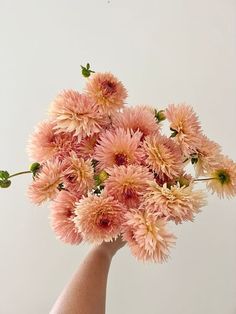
164	51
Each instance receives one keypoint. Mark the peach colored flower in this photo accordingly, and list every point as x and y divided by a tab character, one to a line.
178	203
106	91
99	218
80	174
163	156
207	156
46	182
224	178
118	147
45	144
138	118
147	236
184	122
61	218
87	146
127	184
75	112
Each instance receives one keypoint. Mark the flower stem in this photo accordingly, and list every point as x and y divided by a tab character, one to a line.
19	173
204	179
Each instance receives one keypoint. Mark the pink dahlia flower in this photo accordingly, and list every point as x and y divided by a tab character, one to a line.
80	174
176	203
99	218
75	112
147	236
163	156
61	218
118	147
184	122
207	156
127	184
46	182
106	91
139	118
45	144
223	176
87	146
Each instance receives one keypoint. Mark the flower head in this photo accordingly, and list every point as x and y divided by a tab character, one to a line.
106	91
75	112
127	184
87	146
223	176
147	236
185	124
61	218
46	182
207	156
163	156
138	118
45	143
99	218
178	203
118	147
80	174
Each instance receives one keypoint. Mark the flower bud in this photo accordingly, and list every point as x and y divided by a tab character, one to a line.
5	184
103	175
4	175
183	181
86	72
34	167
159	115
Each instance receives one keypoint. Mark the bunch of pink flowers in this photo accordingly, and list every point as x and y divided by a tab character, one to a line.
109	170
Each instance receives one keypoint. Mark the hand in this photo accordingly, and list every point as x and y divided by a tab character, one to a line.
110	248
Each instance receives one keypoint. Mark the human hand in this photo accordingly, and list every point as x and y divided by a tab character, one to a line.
110	248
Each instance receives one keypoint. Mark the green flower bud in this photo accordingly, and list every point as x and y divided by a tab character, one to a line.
34	167
86	72
103	175
159	115
4	174
5	184
183	181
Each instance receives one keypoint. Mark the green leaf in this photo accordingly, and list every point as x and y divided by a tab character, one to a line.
5	184
4	175
88	66
97	191
194	160
97	180
174	134
60	186
94	163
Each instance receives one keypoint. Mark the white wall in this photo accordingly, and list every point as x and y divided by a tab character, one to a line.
164	51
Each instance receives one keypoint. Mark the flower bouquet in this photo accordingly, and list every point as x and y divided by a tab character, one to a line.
109	170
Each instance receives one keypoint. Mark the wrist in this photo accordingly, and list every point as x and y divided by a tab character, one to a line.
103	251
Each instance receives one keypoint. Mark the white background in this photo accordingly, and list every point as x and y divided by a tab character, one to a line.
164	51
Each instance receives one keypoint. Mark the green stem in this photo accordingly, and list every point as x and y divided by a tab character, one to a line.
19	173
